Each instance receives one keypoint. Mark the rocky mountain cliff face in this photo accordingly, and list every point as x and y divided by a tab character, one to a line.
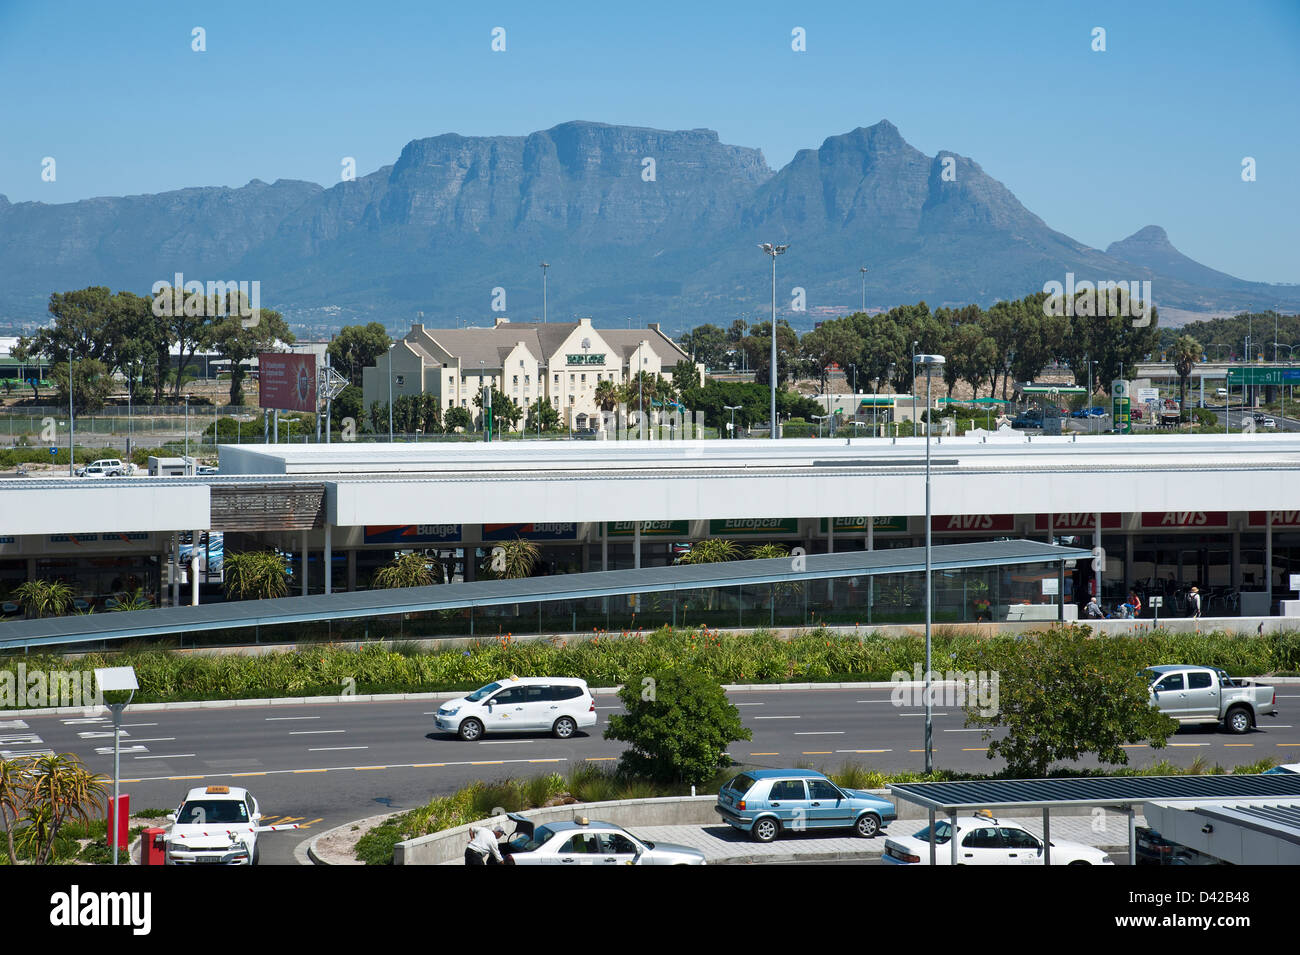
652	223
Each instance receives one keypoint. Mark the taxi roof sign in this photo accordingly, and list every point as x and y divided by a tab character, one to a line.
216	790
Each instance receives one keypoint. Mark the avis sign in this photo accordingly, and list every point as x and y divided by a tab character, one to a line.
1185	519
972	523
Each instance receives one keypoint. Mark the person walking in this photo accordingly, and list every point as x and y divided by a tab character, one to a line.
483	848
1194	603
1093	609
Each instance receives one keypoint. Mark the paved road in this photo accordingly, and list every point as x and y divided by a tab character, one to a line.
321	765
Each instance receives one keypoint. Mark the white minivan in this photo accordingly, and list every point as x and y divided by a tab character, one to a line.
531	704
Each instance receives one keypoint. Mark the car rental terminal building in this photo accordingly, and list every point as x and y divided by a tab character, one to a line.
1221	513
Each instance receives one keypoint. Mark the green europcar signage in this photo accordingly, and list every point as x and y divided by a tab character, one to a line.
678	529
849	525
737	526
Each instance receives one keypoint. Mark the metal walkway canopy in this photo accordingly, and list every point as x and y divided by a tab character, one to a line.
1119	792
609	583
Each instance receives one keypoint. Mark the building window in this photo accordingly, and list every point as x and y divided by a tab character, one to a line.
584	379
516	381
557	379
528	380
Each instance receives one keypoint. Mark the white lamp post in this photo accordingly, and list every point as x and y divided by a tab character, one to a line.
773	251
116	678
733	409
929	363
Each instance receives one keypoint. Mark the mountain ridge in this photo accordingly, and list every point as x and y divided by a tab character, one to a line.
634	221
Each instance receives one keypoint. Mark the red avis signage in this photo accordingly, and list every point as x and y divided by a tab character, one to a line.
1076	522
1159	519
287	382
971	523
1276	518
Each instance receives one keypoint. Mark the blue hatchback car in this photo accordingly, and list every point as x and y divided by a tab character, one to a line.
766	802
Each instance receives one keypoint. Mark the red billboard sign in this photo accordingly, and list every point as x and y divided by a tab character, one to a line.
972	523
1077	522
1160	519
1276	518
287	382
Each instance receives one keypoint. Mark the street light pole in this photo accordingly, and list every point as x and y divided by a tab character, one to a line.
544	266
914	344
930	362
773	251
390	391
863	270
733	409
72	426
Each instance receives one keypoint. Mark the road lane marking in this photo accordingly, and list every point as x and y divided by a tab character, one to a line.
860	751
916	751
1238	744
817	752
108	750
248	774
488	762
977	730
327	749
362	769
1189	744
280	719
877	701
735	704
14	725
84	721
598	759
821	733
1132	745
178	778
313	732
1288	744
311	770
312	823
764	754
156	739
504	742
975	749
922	714
172	756
333	769
124	725
776	717
556	760
286	820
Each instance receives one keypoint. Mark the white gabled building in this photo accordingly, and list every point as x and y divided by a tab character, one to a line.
561	362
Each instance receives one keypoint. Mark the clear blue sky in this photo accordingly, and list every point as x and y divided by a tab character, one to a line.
1152	131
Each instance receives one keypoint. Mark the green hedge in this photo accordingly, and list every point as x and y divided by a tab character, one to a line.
604	660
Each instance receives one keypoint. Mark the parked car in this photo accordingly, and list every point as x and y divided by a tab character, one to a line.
1284	768
584	842
557	705
1030	419
1192	694
984	840
767	802
104	467
1151	848
206	469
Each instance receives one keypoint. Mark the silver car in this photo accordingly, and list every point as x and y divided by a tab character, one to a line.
588	842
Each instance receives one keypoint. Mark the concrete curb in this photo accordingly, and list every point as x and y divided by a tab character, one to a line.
305	852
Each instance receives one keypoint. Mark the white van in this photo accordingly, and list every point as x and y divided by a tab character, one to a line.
530	704
1221	392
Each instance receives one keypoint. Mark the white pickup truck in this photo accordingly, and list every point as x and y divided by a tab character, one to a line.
1193	694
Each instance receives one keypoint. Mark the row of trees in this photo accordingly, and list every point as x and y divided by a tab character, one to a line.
110	333
989	349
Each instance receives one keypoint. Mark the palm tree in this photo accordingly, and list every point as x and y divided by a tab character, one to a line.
41	598
1186	353
61	788
510	560
408	570
711	551
256	575
608	395
14	786
132	600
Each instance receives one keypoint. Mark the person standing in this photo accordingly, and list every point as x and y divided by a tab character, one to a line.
1194	603
483	848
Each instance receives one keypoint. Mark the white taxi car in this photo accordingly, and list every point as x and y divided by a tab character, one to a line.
587	842
984	840
531	704
216	825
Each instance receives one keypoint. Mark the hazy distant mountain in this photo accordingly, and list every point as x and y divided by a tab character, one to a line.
634	222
